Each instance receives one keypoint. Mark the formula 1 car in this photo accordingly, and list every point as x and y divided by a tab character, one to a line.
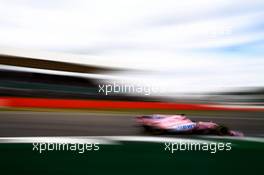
160	124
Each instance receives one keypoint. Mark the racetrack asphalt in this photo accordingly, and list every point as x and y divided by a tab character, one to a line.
25	123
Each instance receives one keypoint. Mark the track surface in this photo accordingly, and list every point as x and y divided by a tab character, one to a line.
85	124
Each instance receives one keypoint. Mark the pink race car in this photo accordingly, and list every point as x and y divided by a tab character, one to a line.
159	124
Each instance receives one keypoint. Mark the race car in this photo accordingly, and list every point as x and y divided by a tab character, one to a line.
160	124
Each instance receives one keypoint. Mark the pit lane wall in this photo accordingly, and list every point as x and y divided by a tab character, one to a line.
15	102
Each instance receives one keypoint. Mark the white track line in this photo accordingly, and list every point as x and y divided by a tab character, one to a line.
101	139
249	139
118	139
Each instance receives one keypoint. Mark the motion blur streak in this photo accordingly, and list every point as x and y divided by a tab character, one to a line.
111	123
97	139
100	104
208	60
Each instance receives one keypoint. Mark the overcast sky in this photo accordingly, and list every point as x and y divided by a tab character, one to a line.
190	45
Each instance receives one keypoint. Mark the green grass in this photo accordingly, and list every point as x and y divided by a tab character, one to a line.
132	158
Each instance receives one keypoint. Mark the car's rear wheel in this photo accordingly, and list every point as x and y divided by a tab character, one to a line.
155	131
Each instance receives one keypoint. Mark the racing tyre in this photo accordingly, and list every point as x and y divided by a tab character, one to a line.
222	130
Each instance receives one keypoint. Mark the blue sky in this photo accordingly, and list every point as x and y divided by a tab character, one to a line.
190	46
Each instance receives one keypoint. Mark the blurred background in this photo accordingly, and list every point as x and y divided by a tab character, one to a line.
197	57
